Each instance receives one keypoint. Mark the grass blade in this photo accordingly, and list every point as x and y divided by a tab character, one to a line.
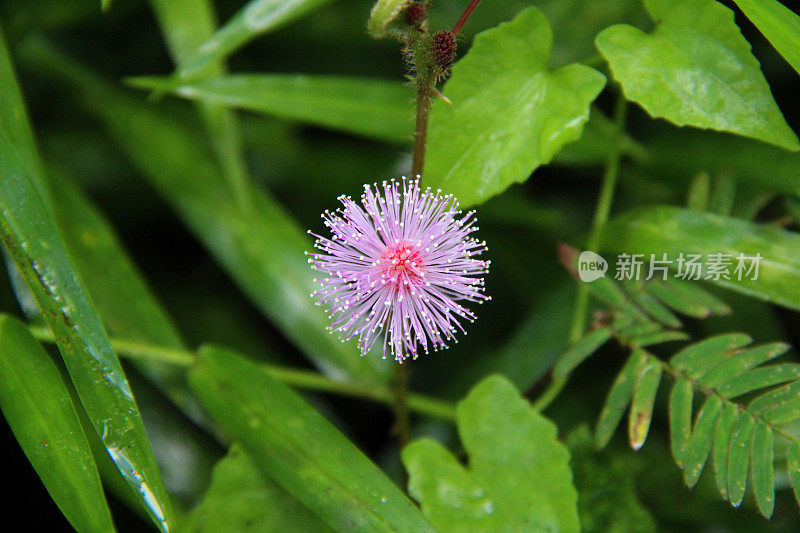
702	436
299	449
644	395
739	457
722	439
680	419
37	406
793	467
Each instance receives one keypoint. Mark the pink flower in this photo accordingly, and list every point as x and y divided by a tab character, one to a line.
397	267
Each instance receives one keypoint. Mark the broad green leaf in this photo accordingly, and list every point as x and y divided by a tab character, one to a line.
38	408
739	457
680	419
502	434
738	363
510	113
698	358
674	231
762	470
722	439
34	244
779	24
384	18
793	467
644	395
579	351
619	397
298	448
262	250
242	499
374	108
254	19
760	378
702	436
696	69
606	483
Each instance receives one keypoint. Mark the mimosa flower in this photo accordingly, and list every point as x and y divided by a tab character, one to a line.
397	267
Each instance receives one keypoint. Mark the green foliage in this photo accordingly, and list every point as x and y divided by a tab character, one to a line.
37	406
36	248
373	108
695	69
510	112
779	24
241	498
298	448
674	231
518	476
384	19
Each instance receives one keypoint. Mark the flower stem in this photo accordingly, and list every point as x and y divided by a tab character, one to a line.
601	214
421	129
300	379
464	16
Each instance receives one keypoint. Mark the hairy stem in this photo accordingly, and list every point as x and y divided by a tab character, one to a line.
601	214
300	379
421	129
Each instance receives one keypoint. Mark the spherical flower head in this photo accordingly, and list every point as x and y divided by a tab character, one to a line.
397	268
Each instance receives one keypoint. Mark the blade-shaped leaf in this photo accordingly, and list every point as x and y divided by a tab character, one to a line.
510	113
779	24
739	457
579	351
698	358
793	466
241	498
696	69
501	433
738	363
263	250
374	108
702	436
34	244
298	448
780	405
38	408
644	395
762	469
619	397
774	277
760	378
254	19
722	439
680	419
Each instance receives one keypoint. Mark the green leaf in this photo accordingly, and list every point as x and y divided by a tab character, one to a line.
374	108
656	309
702	436
241	498
739	457
262	250
760	378
501	434
38	408
722	439
510	113
579	351
793	467
674	231
383	19
780	405
619	397
698	358
254	19
695	69
680	419
644	395
739	362
762	469
607	492
34	244
779	24
298	448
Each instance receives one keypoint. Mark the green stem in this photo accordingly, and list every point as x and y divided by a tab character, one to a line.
601	214
300	379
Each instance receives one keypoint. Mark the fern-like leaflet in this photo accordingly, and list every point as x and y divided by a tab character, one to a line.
744	403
